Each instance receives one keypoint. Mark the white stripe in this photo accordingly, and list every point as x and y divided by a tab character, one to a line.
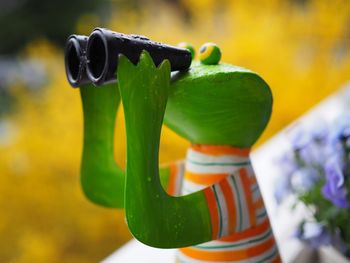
239	245
185	192
244	205
206	158
185	259
196	168
256	193
224	212
250	171
235	196
261	211
244	240
193	187
260	220
180	167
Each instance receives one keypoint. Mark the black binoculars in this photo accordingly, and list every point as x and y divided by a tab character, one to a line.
95	58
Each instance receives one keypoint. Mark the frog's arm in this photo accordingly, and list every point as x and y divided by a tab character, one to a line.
239	103
102	180
154	217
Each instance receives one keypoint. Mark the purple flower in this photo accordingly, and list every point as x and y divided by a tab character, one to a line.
320	132
316	153
310	147
338	243
299	138
283	185
317	234
304	179
341	134
334	189
300	141
282	188
314	234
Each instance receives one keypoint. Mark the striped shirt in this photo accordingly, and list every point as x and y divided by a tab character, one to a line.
240	226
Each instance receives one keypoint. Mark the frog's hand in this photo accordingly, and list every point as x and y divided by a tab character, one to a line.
154	217
102	180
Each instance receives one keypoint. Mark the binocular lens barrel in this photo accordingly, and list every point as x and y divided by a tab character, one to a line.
105	46
95	58
75	60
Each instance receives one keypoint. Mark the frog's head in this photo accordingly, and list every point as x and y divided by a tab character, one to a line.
216	103
211	103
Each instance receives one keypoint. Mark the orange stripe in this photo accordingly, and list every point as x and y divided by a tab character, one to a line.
172	179
229	255
205	179
259	203
220	150
254	231
253	180
230	202
248	196
213	209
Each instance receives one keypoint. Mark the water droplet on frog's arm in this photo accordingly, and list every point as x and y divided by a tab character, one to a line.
149	179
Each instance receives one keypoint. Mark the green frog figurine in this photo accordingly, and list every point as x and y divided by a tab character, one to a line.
209	205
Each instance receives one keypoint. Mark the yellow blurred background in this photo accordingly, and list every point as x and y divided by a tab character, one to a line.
301	48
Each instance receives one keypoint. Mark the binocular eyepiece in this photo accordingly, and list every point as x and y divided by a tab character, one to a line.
95	58
75	60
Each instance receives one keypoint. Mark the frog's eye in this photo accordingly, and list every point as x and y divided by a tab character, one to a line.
209	54
188	46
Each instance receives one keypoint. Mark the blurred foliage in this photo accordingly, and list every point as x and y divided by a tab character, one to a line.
301	48
28	20
6	101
